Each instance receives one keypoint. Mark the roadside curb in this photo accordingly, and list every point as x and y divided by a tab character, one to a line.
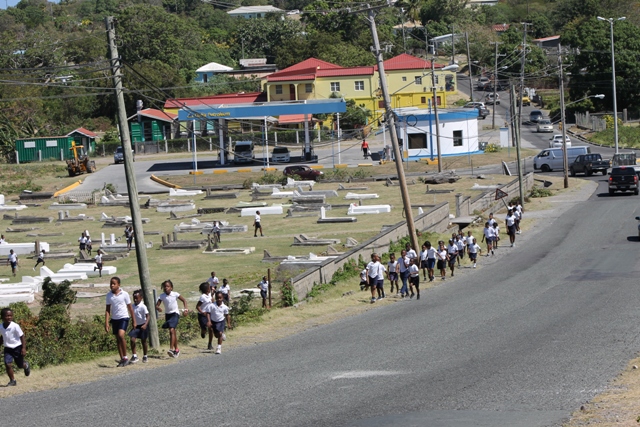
67	189
163	182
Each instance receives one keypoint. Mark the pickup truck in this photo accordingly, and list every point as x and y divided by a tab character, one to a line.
588	164
623	178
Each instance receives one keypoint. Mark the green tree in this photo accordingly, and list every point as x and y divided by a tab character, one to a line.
260	38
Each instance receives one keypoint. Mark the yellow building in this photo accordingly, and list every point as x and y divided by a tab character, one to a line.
408	78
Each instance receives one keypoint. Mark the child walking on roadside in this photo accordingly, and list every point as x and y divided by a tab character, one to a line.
488	234
431	260
414	278
474	249
15	346
40	259
496	235
225	290
141	314
218	317
423	261
172	314
442	259
452	249
117	315
364	284
392	273
202	306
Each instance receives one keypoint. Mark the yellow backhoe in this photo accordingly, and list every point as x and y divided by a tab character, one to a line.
79	163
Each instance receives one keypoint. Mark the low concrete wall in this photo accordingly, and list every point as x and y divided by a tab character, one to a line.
434	220
465	206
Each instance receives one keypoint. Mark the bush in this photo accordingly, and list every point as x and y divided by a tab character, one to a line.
492	148
288	294
537	192
57	294
242	311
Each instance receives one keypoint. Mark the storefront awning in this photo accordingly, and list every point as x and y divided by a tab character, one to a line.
293	118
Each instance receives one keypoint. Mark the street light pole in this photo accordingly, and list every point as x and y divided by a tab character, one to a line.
613	74
565	160
434	102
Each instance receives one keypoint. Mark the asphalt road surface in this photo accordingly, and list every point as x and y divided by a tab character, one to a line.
522	341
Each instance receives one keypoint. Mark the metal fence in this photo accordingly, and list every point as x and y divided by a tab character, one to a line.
587	121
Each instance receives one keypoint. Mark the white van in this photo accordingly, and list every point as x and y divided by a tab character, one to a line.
552	159
243	152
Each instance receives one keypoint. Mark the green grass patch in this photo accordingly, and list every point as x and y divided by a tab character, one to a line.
628	137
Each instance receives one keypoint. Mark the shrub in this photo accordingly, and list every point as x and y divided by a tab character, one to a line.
57	294
537	192
288	294
492	148
242	311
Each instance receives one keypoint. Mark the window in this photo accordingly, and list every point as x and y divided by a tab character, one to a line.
418	80
417	140
308	88
205	78
437	79
335	86
439	100
457	138
404	78
360	85
381	104
278	89
423	99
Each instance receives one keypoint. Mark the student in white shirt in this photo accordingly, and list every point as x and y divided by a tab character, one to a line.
393	268
225	289
201	308
216	230
431	260
517	212
141	314
411	253
15	346
117	315
257	225
443	257
40	259
213	282
423	261
364	283
373	272
83	241
98	260
452	251
264	290
510	220
460	244
414	278
172	314
474	249
488	235
218	316
13	261
491	219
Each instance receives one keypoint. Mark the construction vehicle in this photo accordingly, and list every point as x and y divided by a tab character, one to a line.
79	162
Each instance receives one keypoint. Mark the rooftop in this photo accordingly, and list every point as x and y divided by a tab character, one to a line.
244	10
213	66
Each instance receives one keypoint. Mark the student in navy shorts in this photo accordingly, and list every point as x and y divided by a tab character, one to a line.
118	313
172	314
15	346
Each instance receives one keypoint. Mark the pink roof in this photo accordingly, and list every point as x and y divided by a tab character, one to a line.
547	39
407	62
228	98
156	114
500	27
84	132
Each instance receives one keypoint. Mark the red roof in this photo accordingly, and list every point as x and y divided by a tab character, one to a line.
353	71
407	62
318	64
156	114
84	132
500	28
547	39
228	98
293	118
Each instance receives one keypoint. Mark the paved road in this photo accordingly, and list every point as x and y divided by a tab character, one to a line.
522	341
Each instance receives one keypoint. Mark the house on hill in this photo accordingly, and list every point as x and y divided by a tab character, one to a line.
84	137
408	78
250	12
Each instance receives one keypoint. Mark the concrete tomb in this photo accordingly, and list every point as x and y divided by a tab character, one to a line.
181	193
354	209
356	196
324	219
266	210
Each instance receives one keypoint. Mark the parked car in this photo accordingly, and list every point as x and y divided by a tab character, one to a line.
304	172
483	83
281	155
118	156
490	101
553	158
588	164
526	101
544	125
624	159
623	178
483	111
535	116
556	142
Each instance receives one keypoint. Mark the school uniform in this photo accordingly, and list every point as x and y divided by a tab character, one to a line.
172	312
411	254
83	243
264	288
224	290
204	301
140	312
489	234
442	259
40	258
373	269
423	259
217	314
256	224
392	268
98	260
414	275
363	279
118	310
213	282
511	224
452	250
474	248
13	260
460	244
11	336
404	273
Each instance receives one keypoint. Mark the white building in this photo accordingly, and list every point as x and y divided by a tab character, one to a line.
249	12
458	132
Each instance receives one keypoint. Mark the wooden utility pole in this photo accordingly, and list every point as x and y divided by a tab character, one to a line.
565	160
390	120
132	188
434	101
519	143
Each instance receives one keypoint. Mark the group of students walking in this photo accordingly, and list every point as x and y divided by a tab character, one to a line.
406	268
